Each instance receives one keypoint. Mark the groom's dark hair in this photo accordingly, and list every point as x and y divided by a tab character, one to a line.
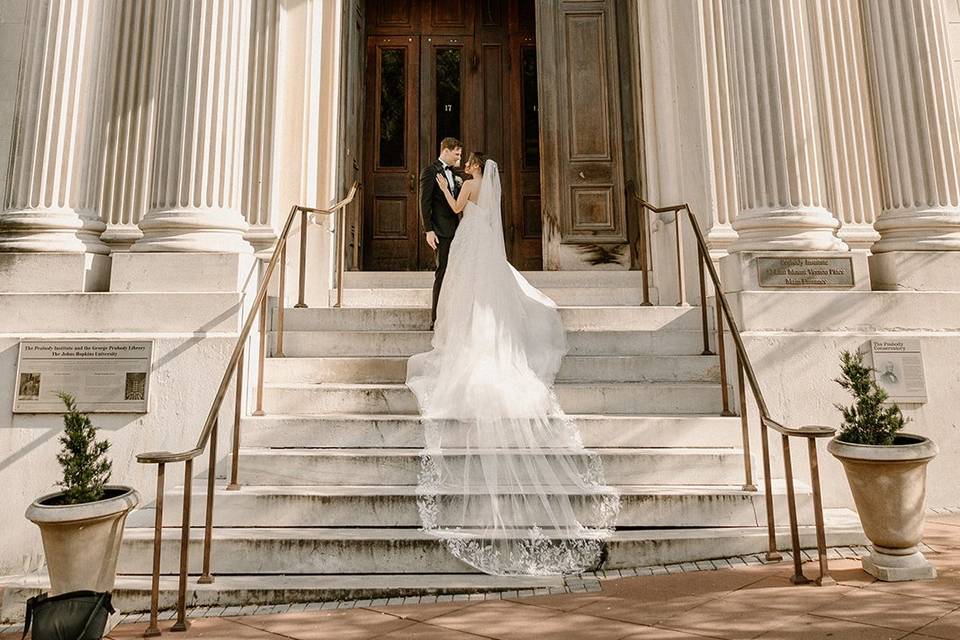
449	144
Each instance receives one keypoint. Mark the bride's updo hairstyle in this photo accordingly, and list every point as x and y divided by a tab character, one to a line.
479	158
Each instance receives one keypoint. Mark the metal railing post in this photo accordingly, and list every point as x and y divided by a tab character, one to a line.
824	579
744	431
798	577
722	355
182	624
281	298
704	318
261	356
681	272
153	628
237	415
303	261
645	257
341	253
205	576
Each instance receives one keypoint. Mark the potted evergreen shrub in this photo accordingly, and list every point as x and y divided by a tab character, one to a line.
82	526
887	473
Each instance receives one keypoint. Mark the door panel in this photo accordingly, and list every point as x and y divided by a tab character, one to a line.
447	104
477	81
392	227
525	222
582	129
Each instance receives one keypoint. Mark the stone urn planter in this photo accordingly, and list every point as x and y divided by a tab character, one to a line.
81	542
887	474
82	525
888	483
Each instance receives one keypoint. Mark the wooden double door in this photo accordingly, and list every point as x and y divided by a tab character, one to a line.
460	68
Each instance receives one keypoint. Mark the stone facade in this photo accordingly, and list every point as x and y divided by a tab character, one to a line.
826	128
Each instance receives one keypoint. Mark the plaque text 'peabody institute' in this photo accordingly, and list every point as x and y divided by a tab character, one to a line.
805	273
103	376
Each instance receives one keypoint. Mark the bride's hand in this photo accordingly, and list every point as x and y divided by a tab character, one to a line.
442	182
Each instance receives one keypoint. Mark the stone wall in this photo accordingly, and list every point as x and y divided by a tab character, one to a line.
12	13
794	340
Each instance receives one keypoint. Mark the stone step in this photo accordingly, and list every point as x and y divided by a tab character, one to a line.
402	431
557	279
393	370
406	343
378	467
586	295
131	593
293	551
650	547
396	506
603	397
590	318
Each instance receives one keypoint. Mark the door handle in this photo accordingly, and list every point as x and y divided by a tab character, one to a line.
413	183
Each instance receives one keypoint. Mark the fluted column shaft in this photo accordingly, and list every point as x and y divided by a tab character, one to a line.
915	106
195	201
53	182
846	120
259	164
129	137
782	195
721	161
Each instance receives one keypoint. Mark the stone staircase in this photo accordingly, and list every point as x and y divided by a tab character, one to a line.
328	508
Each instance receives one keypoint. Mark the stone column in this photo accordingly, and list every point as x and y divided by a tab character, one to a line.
782	191
198	160
721	177
915	105
847	126
259	192
50	207
129	138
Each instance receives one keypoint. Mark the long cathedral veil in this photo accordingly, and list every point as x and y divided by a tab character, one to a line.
505	480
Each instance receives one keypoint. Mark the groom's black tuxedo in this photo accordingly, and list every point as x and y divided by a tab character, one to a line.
436	212
439	218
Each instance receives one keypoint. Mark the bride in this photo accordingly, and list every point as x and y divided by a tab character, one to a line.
505	480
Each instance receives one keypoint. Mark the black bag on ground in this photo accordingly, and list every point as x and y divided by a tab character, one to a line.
77	615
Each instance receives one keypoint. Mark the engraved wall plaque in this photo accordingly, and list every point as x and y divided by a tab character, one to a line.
899	369
103	376
805	272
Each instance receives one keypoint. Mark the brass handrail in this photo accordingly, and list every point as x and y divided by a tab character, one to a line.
208	435
744	367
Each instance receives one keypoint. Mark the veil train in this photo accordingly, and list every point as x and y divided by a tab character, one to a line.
505	479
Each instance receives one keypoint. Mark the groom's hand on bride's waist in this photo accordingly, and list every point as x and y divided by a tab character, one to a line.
432	239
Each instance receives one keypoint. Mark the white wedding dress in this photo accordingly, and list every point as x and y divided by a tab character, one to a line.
505	480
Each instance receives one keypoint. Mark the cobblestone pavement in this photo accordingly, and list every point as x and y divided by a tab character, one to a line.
728	599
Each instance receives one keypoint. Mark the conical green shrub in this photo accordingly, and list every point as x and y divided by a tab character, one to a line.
86	469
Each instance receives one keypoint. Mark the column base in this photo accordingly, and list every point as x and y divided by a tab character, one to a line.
183	272
794	271
893	568
36	272
121	237
915	271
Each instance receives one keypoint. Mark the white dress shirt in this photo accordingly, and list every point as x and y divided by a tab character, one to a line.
447	171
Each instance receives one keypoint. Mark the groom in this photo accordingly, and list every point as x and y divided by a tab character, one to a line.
439	220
